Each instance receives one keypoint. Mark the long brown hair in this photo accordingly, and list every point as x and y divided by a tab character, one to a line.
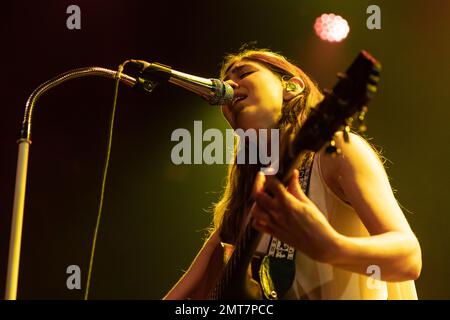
232	208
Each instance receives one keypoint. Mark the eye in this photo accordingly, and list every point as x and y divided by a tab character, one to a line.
244	74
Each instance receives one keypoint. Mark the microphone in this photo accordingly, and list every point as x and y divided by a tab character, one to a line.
214	91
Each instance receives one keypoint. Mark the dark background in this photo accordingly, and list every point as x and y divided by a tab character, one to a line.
155	213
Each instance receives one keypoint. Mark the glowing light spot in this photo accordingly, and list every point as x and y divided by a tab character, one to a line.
331	27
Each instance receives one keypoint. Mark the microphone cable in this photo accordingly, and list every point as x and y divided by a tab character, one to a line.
105	172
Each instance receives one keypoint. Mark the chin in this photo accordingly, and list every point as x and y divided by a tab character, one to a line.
247	121
249	118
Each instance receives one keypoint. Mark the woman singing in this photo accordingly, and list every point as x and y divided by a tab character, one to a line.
350	236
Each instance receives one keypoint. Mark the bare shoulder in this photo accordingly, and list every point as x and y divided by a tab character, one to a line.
357	159
356	153
357	175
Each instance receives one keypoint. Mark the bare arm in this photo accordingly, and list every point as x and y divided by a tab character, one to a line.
359	175
197	282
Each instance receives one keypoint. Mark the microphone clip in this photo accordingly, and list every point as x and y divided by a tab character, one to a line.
150	74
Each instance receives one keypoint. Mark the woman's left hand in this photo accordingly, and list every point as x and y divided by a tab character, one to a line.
290	216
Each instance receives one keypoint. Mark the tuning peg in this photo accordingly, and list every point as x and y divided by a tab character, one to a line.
372	89
376	69
347	128
361	117
373	79
362	113
332	149
346	132
362	128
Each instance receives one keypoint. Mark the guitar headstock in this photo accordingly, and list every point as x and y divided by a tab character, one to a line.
342	105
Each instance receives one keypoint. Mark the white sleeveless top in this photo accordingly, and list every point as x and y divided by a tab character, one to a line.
316	280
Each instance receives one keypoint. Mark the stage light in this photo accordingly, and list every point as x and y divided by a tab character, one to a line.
331	27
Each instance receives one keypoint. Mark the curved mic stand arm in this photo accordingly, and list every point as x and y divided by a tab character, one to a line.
22	165
25	132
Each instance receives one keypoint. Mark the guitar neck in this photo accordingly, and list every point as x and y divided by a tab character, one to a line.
235	271
230	285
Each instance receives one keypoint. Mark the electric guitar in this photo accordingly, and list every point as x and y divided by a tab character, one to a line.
347	100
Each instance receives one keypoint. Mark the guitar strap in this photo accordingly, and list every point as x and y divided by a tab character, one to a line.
277	271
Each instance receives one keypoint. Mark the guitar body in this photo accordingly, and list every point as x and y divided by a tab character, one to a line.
244	287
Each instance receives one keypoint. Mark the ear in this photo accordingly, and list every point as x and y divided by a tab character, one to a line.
292	88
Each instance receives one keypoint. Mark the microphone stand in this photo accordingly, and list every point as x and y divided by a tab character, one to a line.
22	163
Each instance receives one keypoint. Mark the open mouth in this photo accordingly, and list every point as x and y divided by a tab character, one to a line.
238	98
